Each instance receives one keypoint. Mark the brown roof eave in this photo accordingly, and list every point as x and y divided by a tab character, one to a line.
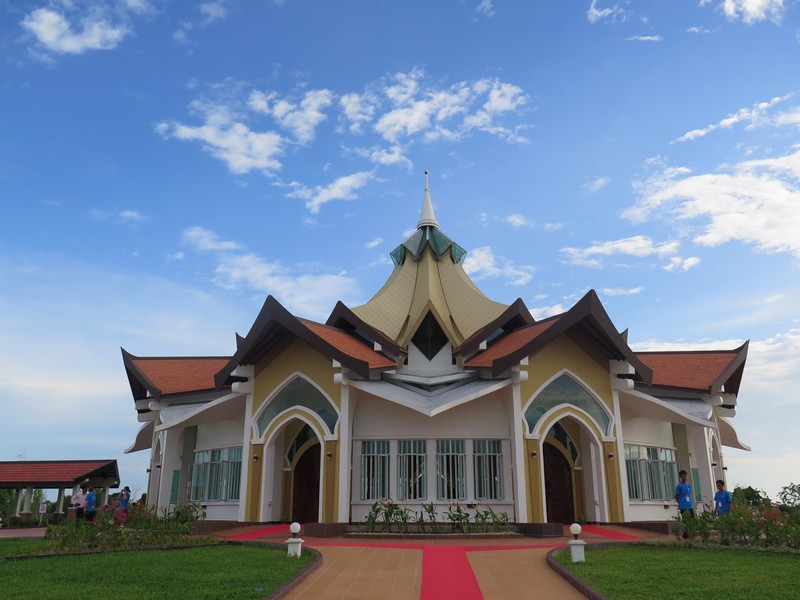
274	316
588	306
516	311
733	373
341	312
139	382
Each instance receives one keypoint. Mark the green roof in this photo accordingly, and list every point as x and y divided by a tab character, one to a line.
428	236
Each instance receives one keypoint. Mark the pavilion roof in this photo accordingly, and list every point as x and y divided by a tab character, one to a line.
56	473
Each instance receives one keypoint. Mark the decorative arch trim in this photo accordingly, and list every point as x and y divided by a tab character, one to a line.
534	426
275	404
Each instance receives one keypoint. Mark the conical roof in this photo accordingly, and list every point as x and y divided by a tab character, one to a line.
428	277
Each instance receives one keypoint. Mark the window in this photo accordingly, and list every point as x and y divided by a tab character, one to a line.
450	470
216	474
487	457
374	470
652	472
411	457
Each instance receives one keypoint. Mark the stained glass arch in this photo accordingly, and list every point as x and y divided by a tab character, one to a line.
565	390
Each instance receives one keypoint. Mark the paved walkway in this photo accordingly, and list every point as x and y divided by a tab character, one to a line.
514	568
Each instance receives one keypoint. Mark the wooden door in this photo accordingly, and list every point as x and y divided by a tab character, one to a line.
558	486
305	491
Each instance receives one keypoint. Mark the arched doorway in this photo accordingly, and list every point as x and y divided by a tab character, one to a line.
305	488
558	486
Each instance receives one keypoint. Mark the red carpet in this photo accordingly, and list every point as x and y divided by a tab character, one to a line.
614	535
446	573
263	532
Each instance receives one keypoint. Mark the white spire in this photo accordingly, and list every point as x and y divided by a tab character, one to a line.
427	217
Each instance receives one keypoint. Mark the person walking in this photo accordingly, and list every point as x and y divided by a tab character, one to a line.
683	495
90	510
722	499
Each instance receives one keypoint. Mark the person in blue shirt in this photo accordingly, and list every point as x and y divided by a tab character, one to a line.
722	499
683	496
124	499
91	505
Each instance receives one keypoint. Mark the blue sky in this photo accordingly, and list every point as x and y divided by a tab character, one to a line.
165	165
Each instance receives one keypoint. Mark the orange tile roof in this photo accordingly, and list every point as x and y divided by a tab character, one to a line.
691	370
349	344
179	375
66	472
511	342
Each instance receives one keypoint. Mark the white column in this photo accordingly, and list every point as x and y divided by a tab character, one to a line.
60	502
344	454
105	496
247	388
520	484
28	498
17	502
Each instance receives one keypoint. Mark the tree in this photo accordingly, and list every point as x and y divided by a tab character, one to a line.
749	495
790	495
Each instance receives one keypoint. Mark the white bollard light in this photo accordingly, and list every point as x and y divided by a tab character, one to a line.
577	548
294	544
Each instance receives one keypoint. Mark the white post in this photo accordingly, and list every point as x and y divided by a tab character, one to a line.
577	548
28	498
294	544
60	502
17	502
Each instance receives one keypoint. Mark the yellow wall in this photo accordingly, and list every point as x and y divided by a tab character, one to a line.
290	357
565	352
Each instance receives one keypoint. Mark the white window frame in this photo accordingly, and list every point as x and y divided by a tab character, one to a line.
487	464
374	469
451	469
412	471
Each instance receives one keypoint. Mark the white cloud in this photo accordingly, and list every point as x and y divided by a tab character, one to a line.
639	246
139	7
205	240
343	188
228	139
419	108
517	220
547	311
698	29
590	187
676	263
132	216
644	38
752	11
553	226
374	243
300	119
213	11
392	156
481	263
309	295
485	7
622	291
358	109
754	202
55	32
613	13
750	116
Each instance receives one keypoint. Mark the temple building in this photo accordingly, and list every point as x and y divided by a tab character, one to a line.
432	392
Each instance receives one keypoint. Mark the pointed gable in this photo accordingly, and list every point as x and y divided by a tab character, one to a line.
587	318
274	323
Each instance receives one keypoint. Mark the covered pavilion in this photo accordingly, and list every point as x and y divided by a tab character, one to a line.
24	476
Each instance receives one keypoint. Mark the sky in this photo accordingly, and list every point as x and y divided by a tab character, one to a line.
166	165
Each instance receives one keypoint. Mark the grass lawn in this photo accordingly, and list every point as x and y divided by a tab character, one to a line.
223	571
634	571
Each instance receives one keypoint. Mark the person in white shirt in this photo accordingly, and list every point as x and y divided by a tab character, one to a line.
79	502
